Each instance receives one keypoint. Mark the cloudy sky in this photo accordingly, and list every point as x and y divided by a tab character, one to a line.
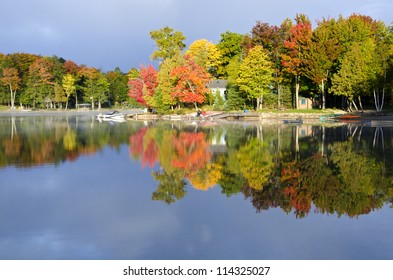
110	33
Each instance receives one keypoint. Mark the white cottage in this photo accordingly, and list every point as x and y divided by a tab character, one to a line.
219	86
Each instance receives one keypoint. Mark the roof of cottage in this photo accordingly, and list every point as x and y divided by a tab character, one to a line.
218	84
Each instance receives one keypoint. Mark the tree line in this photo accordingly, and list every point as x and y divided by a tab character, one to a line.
342	62
34	81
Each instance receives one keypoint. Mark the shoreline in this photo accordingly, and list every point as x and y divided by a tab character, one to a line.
138	114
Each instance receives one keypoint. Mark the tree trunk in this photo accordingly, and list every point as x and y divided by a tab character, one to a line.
297	87
323	95
360	103
261	102
378	102
13	94
354	105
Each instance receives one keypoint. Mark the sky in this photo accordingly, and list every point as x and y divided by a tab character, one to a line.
115	33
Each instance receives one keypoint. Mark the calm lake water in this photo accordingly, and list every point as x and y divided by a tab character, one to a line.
74	188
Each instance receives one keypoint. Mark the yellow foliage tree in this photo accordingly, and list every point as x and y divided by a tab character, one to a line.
206	54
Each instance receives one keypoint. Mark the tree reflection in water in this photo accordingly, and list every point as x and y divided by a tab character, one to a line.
341	170
294	168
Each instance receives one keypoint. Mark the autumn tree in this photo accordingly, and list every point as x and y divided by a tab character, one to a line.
168	43
255	75
166	82
295	46
41	81
143	87
206	55
264	35
11	79
191	82
69	87
272	38
71	67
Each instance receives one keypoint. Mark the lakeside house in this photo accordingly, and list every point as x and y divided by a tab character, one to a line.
305	103
219	86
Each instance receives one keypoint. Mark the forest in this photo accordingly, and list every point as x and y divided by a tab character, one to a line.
338	63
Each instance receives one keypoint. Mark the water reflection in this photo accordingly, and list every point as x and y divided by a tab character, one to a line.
291	167
341	170
31	141
74	188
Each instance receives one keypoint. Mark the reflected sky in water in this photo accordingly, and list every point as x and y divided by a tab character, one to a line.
100	207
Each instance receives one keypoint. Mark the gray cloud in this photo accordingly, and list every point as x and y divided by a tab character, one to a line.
110	33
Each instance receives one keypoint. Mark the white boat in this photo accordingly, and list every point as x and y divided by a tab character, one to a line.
112	115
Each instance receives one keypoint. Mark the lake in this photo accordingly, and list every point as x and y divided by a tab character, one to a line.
75	188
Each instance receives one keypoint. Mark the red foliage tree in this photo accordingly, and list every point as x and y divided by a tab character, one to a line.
144	86
299	41
191	82
71	67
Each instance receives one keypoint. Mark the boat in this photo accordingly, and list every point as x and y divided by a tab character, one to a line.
112	115
348	117
330	117
291	121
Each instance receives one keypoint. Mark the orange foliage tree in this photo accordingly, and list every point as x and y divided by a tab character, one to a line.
191	82
299	41
12	80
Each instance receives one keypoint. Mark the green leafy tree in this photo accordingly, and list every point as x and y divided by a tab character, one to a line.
256	74
168	41
229	45
60	95
96	87
382	64
353	78
272	39
320	56
102	90
118	88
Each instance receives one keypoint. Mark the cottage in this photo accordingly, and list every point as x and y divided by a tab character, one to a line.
219	86
305	103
